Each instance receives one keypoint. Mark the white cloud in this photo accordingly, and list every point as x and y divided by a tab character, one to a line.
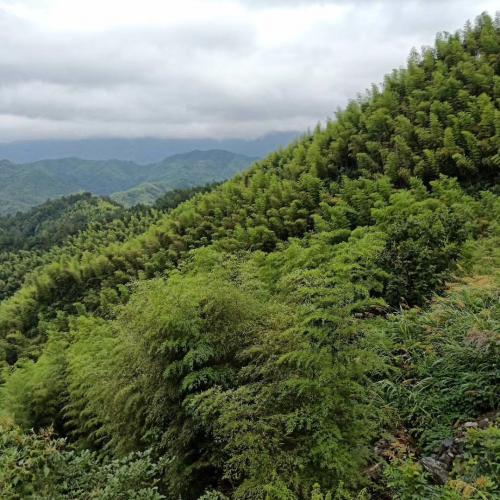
79	68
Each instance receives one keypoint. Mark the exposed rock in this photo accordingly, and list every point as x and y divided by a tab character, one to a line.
436	468
447	443
483	423
470	425
447	459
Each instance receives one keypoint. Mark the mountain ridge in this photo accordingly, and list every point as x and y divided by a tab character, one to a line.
140	150
29	184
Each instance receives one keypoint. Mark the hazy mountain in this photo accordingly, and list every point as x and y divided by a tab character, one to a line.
25	185
182	171
142	150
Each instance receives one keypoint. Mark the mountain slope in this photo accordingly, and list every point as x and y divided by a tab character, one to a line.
52	222
183	171
32	184
243	342
69	227
28	185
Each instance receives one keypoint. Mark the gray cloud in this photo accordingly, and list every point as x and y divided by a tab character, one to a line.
243	69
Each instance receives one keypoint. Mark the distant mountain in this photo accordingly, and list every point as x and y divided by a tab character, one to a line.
27	185
183	171
142	150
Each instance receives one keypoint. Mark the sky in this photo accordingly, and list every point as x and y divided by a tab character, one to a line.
201	68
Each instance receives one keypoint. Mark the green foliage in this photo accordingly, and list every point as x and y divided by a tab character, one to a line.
71	227
447	374
42	466
185	340
34	393
87	379
479	465
474	474
53	222
425	234
447	358
192	356
175	197
262	336
409	481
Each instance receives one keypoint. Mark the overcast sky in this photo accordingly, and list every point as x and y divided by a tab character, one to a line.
207	68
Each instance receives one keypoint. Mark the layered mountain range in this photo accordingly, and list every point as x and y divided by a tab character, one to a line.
25	185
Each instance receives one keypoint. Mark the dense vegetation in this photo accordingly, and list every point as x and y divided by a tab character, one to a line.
317	327
69	227
27	185
53	222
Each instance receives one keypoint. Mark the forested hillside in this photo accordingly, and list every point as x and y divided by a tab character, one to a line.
28	185
70	226
182	171
53	221
324	325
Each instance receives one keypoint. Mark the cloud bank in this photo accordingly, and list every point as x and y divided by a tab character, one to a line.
210	68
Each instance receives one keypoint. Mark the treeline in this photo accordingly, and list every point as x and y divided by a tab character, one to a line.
251	342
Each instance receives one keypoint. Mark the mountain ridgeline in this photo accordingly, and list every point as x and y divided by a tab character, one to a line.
27	185
139	150
324	325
